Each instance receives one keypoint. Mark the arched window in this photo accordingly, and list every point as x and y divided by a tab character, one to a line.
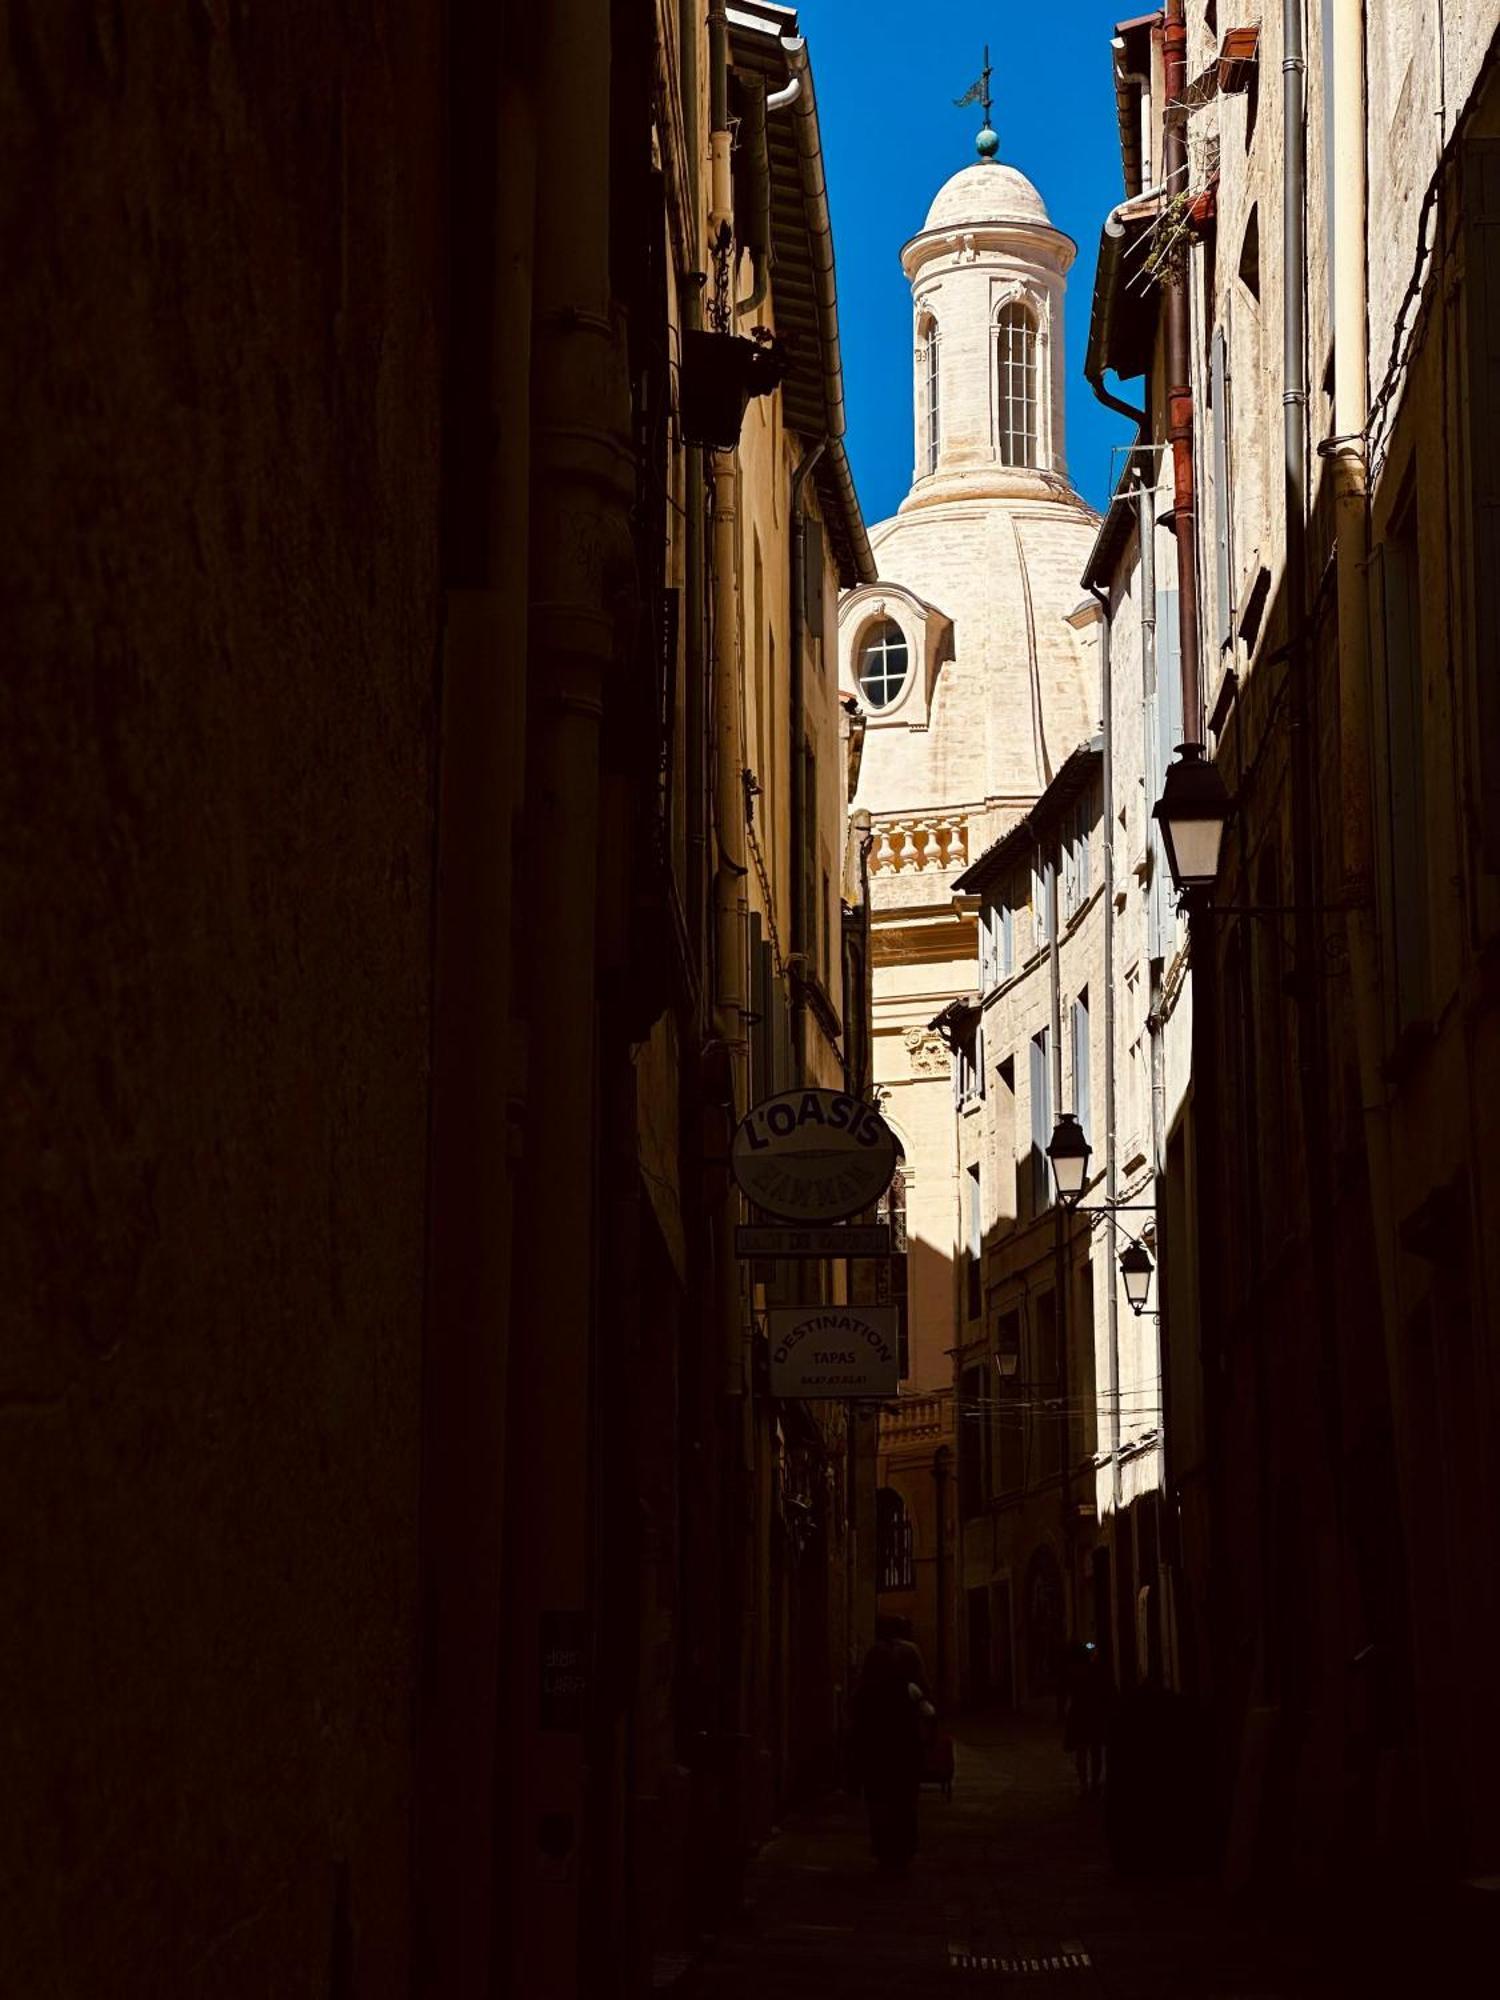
932	403
883	663
1016	360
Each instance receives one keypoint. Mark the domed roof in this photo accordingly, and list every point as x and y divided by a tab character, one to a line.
987	192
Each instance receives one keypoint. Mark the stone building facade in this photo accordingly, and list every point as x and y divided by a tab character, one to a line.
974	687
1319	427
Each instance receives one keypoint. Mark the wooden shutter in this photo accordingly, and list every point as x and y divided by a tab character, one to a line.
812	577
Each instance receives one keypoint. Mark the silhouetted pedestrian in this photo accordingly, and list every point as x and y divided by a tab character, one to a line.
888	1739
1088	1690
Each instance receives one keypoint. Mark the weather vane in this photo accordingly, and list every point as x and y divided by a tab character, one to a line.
978	92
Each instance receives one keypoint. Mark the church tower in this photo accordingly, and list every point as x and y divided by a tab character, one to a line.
987	272
973	662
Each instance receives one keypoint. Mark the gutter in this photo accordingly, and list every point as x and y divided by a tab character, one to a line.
1107	281
804	108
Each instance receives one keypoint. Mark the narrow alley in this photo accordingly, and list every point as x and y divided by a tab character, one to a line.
750	760
1013	1891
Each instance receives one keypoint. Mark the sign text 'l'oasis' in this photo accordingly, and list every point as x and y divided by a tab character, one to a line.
814	1155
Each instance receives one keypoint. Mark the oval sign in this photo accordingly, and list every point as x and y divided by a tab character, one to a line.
814	1155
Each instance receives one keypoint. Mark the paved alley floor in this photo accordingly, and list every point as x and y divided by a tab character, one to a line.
1011	1893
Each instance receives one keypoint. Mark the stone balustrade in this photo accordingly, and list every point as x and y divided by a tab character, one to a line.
914	1417
936	843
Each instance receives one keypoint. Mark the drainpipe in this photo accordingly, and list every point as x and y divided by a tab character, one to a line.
1111	1171
1060	1214
720	139
801	948
696	500
477	1101
1180	381
731	1006
581	602
1346	451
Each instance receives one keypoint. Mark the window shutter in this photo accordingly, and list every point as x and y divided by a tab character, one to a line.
1085	830
1219	390
1041	1119
812	577
1482	285
1081	1063
1007	939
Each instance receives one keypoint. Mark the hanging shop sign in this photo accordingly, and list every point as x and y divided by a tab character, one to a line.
834	1351
814	1155
834	1239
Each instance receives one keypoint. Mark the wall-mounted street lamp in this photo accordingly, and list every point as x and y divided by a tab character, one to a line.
1192	812
1069	1153
1136	1268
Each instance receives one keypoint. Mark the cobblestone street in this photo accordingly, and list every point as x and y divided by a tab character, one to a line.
1012	1892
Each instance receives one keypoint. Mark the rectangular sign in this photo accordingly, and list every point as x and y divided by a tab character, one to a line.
830	1352
833	1239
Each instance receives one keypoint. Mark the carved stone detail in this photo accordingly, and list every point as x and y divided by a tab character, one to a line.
926	1052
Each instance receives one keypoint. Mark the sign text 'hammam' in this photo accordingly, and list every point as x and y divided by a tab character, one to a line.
814	1155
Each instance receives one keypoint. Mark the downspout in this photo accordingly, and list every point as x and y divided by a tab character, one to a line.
800	951
1180	380
695	704
1346	452
1168	1550
1061	1215
1111	1171
582	597
731	1006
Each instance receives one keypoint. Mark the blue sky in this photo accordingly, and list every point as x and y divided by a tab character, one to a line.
886	79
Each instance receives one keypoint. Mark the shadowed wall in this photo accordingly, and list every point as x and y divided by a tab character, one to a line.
218	555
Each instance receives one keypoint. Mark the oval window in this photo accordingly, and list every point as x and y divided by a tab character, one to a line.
882	663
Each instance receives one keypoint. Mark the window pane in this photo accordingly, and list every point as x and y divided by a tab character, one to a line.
883	664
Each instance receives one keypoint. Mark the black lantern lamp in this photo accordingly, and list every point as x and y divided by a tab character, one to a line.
1069	1154
720	373
1192	810
1136	1268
